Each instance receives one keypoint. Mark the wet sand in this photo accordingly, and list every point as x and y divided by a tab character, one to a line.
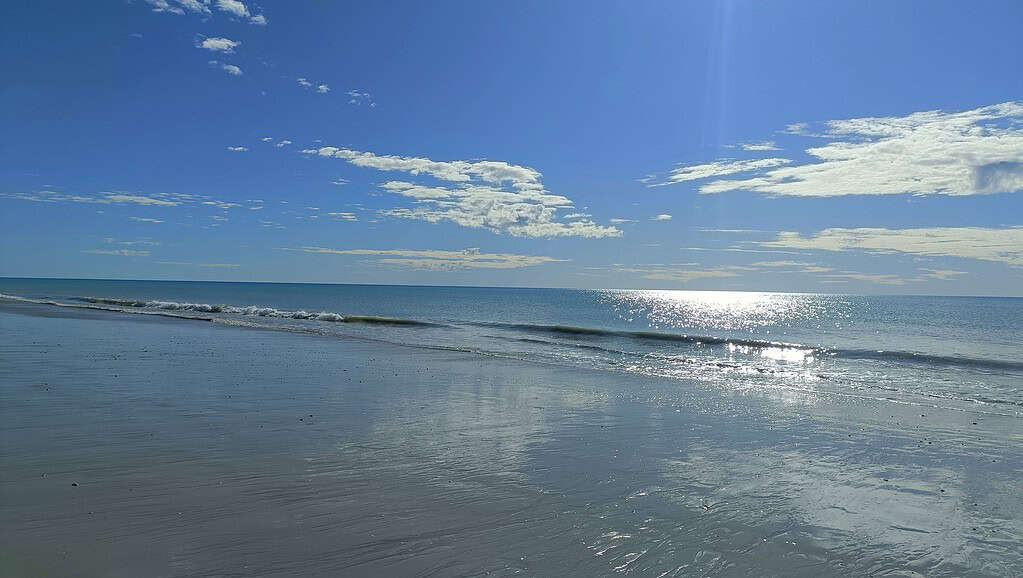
156	447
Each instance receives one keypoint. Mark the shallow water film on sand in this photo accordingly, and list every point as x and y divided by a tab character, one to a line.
165	429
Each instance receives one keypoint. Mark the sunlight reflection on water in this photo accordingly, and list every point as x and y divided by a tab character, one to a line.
729	310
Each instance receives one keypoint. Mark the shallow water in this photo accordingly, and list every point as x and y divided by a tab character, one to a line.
203	449
957	352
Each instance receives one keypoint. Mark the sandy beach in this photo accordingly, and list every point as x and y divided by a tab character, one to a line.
134	446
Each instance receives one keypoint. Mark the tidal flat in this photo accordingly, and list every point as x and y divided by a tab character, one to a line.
143	446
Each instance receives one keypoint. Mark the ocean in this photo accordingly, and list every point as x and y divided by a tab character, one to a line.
463	430
960	352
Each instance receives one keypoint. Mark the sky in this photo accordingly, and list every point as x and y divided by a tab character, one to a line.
841	147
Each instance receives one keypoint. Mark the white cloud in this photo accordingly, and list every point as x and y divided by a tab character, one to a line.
879	278
161	200
440	260
973	152
1004	245
144	242
717	169
339	181
146	219
661	217
942	274
283	143
620	221
217	44
321	88
493	195
228	68
210	265
156	199
238	149
267	139
577	215
769	145
240	10
359	98
180	6
342	216
231	7
682	275
121	252
221	204
139	200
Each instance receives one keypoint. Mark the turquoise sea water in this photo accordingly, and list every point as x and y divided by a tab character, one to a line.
959	352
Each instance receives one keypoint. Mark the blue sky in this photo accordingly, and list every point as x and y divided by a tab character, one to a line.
866	147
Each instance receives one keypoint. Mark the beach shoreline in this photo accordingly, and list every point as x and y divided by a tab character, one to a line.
167	447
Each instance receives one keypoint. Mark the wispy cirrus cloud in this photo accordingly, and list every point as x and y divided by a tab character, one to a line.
493	195
1003	245
112	198
441	260
769	145
360	97
321	88
972	152
205	265
717	168
683	273
343	216
151	200
120	252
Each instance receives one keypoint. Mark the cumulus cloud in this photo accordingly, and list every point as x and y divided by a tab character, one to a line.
217	44
283	143
238	149
303	82
234	8
493	195
1003	245
978	151
228	68
440	260
323	89
240	10
661	217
